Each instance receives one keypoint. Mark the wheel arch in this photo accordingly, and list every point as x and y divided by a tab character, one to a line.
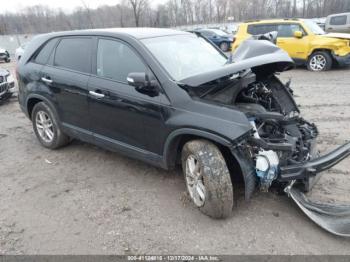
329	51
319	49
33	99
178	138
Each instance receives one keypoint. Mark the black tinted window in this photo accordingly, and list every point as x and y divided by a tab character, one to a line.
287	30
261	29
207	33
116	60
74	53
45	52
338	20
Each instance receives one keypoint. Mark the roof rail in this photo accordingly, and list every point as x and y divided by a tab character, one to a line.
252	20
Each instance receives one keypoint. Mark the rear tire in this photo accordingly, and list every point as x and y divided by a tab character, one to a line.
319	61
46	127
207	178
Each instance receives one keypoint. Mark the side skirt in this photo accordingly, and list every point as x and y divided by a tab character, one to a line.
114	145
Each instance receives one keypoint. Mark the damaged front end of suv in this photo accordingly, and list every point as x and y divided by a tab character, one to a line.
280	148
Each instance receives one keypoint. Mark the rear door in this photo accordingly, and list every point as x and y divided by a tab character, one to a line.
36	65
67	76
122	118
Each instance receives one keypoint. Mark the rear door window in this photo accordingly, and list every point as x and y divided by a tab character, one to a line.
338	20
74	53
261	29
115	60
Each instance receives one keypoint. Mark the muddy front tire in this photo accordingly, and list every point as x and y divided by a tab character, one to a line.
207	178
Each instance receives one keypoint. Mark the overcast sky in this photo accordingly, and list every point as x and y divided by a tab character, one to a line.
66	5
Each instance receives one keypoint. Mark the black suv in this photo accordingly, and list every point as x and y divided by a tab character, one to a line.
169	97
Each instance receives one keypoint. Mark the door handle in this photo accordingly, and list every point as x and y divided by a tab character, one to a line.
95	94
46	80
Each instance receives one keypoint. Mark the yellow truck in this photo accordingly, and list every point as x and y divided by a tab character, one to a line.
303	40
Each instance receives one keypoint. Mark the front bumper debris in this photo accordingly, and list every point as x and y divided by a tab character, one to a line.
332	218
314	166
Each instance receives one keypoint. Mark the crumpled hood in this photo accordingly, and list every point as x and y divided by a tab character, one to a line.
2	50
337	35
258	55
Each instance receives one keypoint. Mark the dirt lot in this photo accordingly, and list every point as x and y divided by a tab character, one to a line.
84	200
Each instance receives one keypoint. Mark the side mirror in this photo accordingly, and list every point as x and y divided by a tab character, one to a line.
143	84
137	79
298	34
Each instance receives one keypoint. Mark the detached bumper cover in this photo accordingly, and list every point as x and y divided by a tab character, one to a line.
331	217
314	166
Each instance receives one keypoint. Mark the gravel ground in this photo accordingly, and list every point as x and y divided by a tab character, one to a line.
85	200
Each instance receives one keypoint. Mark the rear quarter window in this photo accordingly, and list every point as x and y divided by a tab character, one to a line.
338	20
43	55
74	53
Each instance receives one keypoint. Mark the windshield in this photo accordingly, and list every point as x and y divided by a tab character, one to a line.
315	28
185	55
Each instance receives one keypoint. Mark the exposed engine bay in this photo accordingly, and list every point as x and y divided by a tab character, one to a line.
280	148
280	136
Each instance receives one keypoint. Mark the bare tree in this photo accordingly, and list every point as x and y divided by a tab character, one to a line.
42	19
137	7
87	9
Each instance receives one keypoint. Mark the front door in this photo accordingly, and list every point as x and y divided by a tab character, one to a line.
297	48
121	117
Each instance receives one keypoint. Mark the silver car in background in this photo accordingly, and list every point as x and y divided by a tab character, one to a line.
339	23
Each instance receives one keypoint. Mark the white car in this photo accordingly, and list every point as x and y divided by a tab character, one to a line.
19	51
4	55
7	85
